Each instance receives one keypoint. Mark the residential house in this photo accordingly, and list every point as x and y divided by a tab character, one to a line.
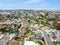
21	33
38	36
29	42
11	36
14	43
1	36
6	37
3	42
57	38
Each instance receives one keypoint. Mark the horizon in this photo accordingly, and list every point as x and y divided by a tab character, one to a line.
34	9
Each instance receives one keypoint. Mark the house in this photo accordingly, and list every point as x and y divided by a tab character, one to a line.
53	32
6	37
33	29
36	31
58	25
1	36
11	36
58	39
35	26
21	33
3	42
14	43
45	28
42	13
29	42
38	36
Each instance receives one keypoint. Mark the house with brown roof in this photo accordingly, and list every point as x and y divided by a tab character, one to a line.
14	43
21	33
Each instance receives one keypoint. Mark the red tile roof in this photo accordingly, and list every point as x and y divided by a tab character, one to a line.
14	43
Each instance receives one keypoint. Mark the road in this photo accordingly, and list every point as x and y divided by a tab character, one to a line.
47	38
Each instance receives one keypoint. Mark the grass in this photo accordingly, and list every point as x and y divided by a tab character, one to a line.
56	43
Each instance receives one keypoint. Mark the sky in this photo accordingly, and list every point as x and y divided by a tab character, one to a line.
29	4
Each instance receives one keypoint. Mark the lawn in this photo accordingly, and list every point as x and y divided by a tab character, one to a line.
56	43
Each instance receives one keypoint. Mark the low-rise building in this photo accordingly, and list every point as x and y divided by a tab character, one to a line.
1	36
14	43
3	42
29	42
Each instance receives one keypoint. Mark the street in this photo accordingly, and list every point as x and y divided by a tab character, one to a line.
49	42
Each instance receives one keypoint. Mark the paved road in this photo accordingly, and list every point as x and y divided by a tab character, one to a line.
49	42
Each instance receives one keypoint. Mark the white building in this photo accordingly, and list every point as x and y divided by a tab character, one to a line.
30	42
1	36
